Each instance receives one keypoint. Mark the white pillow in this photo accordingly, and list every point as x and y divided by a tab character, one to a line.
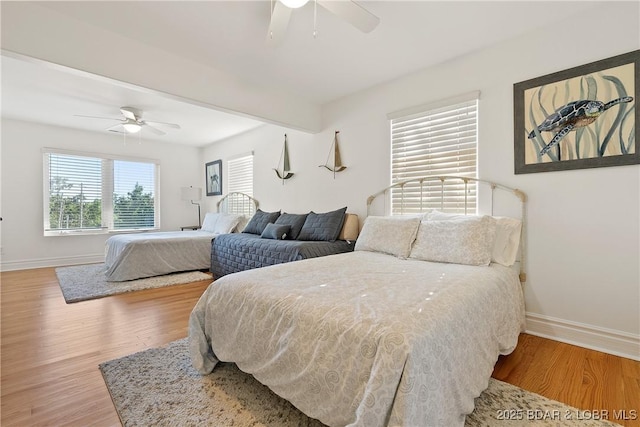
459	241
209	223
507	241
242	223
226	223
505	249
444	216
389	235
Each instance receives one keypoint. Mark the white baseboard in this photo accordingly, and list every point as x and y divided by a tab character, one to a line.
50	262
595	338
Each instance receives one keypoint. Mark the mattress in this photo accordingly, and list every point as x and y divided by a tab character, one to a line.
231	253
132	256
363	338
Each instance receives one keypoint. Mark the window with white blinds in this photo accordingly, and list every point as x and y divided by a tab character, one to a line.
436	141
88	193
133	195
240	174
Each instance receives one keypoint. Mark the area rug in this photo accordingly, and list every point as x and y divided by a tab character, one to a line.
85	282
159	387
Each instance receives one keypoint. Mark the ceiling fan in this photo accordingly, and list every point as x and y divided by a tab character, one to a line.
131	122
348	10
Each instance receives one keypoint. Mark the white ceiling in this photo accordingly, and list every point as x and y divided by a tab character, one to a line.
231	36
43	93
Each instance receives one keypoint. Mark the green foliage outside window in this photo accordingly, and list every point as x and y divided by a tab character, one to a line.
134	210
72	212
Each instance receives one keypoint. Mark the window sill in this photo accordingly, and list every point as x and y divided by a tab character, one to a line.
55	233
58	233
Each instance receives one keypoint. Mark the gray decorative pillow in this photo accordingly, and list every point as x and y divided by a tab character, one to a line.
275	231
259	221
323	226
296	221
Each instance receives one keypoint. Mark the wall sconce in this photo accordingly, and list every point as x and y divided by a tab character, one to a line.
191	194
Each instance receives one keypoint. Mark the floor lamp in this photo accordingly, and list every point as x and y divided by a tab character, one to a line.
191	194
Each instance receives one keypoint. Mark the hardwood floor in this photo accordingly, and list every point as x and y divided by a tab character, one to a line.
51	350
50	353
599	384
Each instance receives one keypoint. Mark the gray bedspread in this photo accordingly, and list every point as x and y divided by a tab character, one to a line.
363	338
132	256
231	253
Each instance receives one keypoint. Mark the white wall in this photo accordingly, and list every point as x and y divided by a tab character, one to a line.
584	225
311	187
23	243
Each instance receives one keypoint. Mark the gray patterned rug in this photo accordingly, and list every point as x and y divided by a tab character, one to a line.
159	387
85	282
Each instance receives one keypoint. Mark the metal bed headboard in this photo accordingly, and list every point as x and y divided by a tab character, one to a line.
238	203
519	194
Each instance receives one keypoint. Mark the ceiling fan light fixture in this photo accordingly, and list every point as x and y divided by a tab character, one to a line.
294	4
132	127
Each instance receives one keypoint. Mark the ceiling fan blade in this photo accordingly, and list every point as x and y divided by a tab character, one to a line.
130	113
353	13
95	117
279	23
169	125
153	130
117	128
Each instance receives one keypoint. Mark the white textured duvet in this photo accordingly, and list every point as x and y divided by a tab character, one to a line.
363	338
132	256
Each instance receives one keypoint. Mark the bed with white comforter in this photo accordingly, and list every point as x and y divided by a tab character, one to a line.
364	338
138	255
133	256
404	331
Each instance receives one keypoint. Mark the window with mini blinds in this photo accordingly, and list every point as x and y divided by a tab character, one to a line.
240	174
435	140
91	193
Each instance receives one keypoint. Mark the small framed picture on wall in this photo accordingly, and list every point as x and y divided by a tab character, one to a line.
213	176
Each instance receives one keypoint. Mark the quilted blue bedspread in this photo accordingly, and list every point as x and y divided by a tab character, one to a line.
235	252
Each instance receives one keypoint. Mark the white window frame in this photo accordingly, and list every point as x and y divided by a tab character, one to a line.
435	139
107	192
